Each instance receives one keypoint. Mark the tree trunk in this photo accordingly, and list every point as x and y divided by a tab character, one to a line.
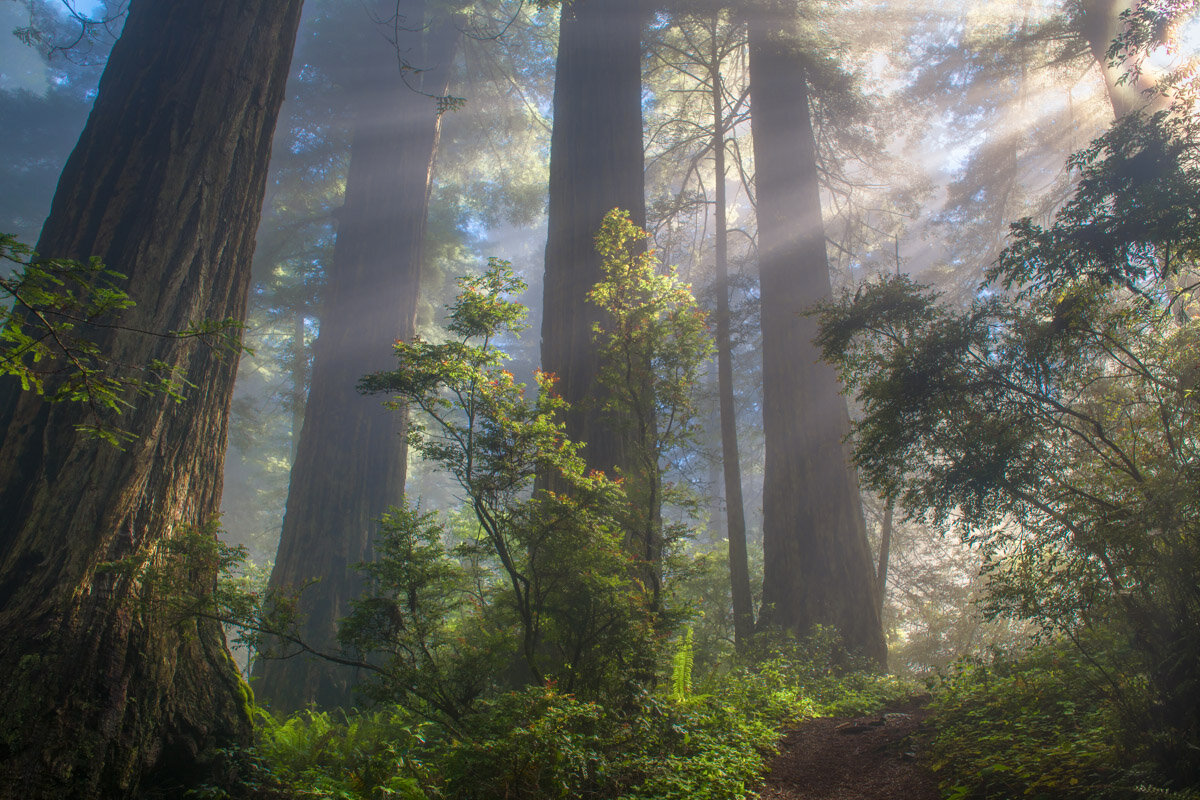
351	460
1100	24
596	164
717	529
818	563
739	566
101	694
885	552
299	375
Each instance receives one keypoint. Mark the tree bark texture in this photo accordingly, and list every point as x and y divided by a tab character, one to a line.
818	566
351	459
596	164
100	694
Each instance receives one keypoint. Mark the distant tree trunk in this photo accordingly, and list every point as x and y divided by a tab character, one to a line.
596	164
739	565
351	460
817	560
102	695
885	552
717	529
299	376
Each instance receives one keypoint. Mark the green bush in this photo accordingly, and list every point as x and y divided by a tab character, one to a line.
820	674
539	743
367	756
534	743
1038	727
707	747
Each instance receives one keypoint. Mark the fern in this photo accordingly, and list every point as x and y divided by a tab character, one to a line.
681	668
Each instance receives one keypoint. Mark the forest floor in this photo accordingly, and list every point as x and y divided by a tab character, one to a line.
861	758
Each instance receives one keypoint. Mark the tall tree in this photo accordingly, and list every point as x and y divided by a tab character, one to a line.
739	566
351	459
817	560
700	92
1099	22
101	694
596	164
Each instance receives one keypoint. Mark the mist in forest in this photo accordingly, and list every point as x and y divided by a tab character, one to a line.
935	128
780	157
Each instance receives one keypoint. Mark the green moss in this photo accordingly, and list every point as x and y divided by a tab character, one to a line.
245	693
247	697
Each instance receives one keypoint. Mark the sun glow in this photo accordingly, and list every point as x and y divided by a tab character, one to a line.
1182	48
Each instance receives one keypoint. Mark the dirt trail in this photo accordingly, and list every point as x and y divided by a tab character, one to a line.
864	758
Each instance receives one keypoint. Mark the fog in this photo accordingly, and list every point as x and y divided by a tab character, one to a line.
936	123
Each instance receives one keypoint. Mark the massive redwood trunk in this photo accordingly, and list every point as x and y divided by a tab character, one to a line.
351	458
817	560
102	693
596	164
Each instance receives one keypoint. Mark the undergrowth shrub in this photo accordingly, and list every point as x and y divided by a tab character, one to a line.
535	743
818	672
860	693
368	755
1054	724
540	743
708	747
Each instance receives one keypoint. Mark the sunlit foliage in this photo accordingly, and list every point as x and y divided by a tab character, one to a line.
1053	426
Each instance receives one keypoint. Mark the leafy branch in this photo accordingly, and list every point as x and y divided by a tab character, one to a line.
49	338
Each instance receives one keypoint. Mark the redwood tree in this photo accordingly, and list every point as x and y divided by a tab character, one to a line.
101	693
351	458
596	164
817	560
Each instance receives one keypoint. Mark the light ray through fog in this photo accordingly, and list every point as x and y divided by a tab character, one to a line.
1182	50
960	129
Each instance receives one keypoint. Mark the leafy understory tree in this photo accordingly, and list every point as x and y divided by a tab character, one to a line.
513	645
652	344
553	576
572	574
1053	423
51	306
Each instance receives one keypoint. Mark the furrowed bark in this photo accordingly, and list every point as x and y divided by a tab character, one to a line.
103	696
596	164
